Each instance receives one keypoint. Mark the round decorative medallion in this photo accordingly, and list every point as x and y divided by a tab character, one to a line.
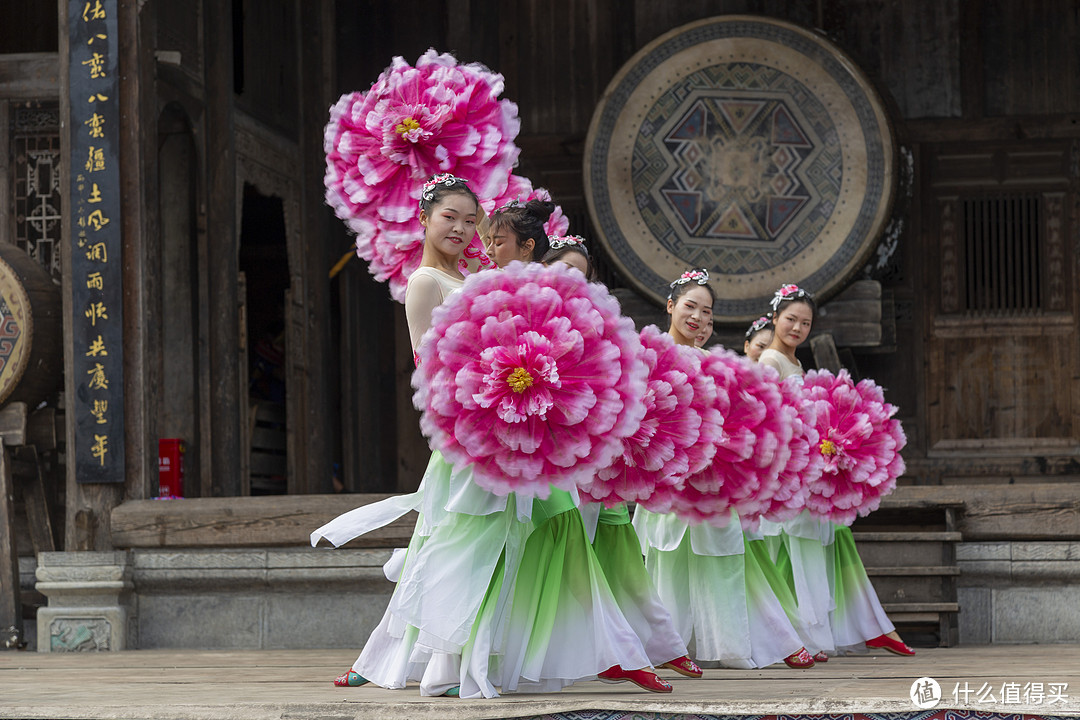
748	146
15	330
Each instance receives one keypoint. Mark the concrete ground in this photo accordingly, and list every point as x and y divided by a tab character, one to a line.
296	684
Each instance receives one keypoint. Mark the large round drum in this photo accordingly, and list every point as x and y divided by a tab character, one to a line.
31	354
748	146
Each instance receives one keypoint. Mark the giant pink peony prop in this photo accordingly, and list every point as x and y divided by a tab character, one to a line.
439	116
804	463
532	376
677	436
753	449
859	443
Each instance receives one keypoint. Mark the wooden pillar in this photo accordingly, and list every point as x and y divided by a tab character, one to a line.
141	240
87	507
223	262
316	47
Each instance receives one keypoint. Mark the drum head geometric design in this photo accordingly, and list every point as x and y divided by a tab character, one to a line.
748	146
16	330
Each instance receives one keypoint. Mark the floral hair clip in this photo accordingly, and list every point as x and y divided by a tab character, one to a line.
788	292
509	205
758	325
558	243
701	277
427	193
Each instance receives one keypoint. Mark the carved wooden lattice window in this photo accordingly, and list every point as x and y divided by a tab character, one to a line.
1002	253
35	142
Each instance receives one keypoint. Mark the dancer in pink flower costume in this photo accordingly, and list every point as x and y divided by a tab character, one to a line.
615	543
721	603
566	621
532	377
457	557
758	337
437	117
810	542
570	250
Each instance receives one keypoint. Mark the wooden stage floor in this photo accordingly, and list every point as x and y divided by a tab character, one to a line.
296	685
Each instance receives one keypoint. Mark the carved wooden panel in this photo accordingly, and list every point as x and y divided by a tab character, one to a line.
1001	349
950	285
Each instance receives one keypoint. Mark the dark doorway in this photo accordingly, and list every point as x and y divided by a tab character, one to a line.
264	264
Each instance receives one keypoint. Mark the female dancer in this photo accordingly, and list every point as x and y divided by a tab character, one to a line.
720	599
616	544
570	250
857	616
466	538
813	621
758	337
564	623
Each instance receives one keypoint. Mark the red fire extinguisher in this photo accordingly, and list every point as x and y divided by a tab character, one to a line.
171	467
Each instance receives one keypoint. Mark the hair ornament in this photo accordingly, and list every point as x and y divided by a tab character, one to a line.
701	277
758	325
509	205
559	242
427	192
788	292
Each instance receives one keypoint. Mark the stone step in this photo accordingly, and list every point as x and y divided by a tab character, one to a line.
915	536
933	570
905	607
915	588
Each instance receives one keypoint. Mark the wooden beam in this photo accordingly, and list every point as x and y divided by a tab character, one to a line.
1038	511
13	423
1049	511
282	520
30	75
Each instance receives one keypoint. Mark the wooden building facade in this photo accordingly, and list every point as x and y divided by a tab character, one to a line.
283	381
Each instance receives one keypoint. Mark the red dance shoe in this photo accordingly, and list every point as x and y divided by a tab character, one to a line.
821	657
684	666
350	679
644	679
887	643
800	660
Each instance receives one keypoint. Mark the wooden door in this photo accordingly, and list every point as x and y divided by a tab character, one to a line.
1001	347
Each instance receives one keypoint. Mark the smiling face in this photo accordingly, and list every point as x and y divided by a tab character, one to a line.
703	335
793	323
501	245
451	224
690	313
757	344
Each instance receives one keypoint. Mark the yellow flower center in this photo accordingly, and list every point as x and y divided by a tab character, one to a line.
519	380
407	125
827	447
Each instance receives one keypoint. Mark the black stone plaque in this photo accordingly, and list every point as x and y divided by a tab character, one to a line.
96	263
